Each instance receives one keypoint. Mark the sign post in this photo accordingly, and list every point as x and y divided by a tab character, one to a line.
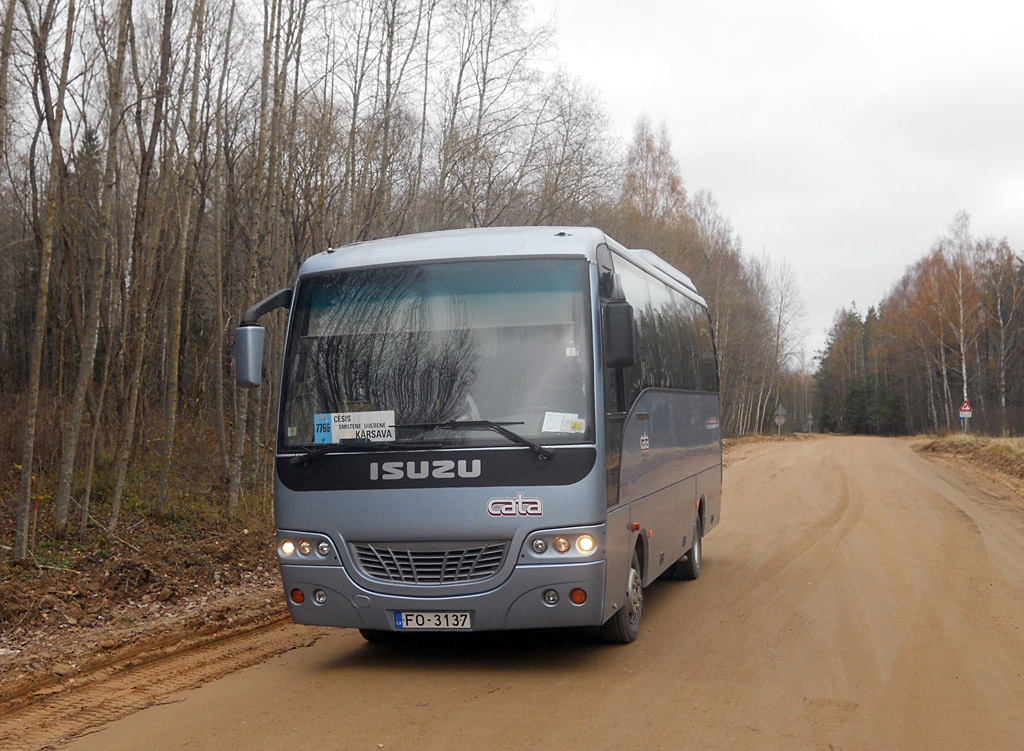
780	417
965	414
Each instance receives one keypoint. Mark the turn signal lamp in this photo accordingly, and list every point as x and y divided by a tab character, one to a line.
578	596
297	596
287	547
562	544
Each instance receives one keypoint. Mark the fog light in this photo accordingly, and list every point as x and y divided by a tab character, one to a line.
561	545
540	545
287	547
324	548
586	544
550	597
320	597
305	548
578	596
297	596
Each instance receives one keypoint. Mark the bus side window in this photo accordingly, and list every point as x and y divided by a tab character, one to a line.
689	359
666	367
634	285
708	360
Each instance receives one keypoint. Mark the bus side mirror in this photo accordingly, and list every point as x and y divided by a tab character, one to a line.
249	355
619	335
249	338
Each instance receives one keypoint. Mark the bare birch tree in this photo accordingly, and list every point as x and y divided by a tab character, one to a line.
185	200
54	115
72	427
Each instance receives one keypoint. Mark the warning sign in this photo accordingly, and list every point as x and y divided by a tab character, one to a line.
965	410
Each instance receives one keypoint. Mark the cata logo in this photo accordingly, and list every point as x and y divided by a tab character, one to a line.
517	506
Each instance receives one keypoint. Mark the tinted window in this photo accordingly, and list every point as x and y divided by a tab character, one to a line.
669	336
708	363
686	331
638	294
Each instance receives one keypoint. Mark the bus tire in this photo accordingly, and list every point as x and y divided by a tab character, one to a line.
624	626
688	567
378	636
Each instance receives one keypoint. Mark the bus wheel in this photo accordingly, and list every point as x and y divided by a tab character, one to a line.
624	626
688	567
378	636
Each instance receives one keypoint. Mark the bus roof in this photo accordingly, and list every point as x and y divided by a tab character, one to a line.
489	242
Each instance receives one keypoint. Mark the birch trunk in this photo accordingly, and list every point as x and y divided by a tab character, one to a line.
5	56
178	282
55	117
90	465
146	274
946	393
72	427
218	252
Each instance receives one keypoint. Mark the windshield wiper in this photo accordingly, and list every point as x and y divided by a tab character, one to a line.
312	453
539	451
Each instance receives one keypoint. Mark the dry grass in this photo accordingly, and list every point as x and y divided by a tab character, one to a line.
743	440
1002	454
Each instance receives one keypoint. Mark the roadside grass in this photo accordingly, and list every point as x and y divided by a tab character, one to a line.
1003	454
750	438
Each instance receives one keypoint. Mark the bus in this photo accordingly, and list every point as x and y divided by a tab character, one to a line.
489	429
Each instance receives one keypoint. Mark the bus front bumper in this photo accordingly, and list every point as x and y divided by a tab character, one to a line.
518	602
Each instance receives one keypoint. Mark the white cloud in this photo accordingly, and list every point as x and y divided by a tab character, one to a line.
842	137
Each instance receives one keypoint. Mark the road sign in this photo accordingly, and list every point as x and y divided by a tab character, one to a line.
965	410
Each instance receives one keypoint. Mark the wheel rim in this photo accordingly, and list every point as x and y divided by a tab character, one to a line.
635	596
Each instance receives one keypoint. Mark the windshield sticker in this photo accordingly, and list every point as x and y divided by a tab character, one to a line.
563	422
368	426
292	432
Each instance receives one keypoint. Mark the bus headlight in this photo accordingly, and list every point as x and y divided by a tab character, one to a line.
297	548
586	544
568	545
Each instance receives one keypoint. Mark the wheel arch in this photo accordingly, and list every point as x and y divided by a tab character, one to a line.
641	548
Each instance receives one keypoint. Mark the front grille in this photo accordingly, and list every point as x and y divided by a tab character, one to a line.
429	563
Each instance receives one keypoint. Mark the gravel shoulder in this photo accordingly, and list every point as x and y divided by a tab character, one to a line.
106	610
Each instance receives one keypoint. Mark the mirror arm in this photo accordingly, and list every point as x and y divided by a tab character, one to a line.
280	299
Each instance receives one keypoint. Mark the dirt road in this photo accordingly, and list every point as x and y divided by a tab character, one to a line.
856	596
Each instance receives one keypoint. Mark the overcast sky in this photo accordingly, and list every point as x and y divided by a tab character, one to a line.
842	137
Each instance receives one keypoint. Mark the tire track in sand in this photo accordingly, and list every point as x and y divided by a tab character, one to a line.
82	709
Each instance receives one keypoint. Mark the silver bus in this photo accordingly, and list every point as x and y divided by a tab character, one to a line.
489	429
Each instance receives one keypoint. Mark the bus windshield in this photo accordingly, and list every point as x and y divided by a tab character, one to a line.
387	354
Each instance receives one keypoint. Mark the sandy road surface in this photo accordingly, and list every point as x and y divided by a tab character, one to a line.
856	596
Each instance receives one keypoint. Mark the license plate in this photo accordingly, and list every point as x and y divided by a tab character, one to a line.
420	621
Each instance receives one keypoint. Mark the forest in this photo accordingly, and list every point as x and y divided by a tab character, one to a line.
950	331
167	164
